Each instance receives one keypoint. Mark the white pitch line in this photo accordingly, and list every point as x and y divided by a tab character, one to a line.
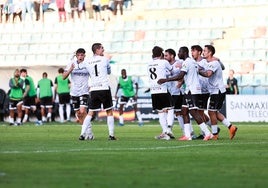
129	149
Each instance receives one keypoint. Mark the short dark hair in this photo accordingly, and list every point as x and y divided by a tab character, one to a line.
210	48
157	51
61	70
197	47
23	70
171	51
80	51
45	74
95	46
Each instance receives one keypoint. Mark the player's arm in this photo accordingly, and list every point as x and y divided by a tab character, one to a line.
68	72
174	78
27	89
117	88
207	73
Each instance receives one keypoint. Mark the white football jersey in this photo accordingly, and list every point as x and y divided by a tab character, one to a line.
173	86
157	69
215	82
191	78
203	64
99	68
79	79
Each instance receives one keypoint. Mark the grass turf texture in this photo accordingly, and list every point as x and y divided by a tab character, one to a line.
52	156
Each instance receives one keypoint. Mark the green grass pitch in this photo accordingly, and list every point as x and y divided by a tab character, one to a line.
52	156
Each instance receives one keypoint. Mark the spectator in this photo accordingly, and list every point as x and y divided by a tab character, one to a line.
105	10
74	8
62	88
27	7
61	10
8	9
96	6
82	9
17	9
45	94
120	4
232	86
2	4
15	98
36	4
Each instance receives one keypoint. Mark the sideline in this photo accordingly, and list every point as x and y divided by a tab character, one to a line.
129	149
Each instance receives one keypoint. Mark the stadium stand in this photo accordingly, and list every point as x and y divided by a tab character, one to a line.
236	29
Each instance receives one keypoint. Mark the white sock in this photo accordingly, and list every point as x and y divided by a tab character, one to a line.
191	128
18	120
170	117
86	127
44	118
181	123
214	129
163	121
25	118
61	112
121	119
11	120
204	128
138	114
187	130
68	111
208	123
49	115
226	123
110	124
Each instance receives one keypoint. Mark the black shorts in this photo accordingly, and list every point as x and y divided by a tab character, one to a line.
14	103
190	101
216	101
64	98
177	100
29	102
74	4
124	100
80	101
100	100
203	101
46	102
162	101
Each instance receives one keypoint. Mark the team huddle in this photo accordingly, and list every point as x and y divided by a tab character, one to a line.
183	87
179	87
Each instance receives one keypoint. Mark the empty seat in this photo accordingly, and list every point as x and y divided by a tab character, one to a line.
247	90
260	90
247	79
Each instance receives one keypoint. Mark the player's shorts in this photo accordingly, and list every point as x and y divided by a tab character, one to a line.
100	100
29	102
64	98
162	101
177	100
125	100
190	101
203	101
14	103
216	101
46	102
79	101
